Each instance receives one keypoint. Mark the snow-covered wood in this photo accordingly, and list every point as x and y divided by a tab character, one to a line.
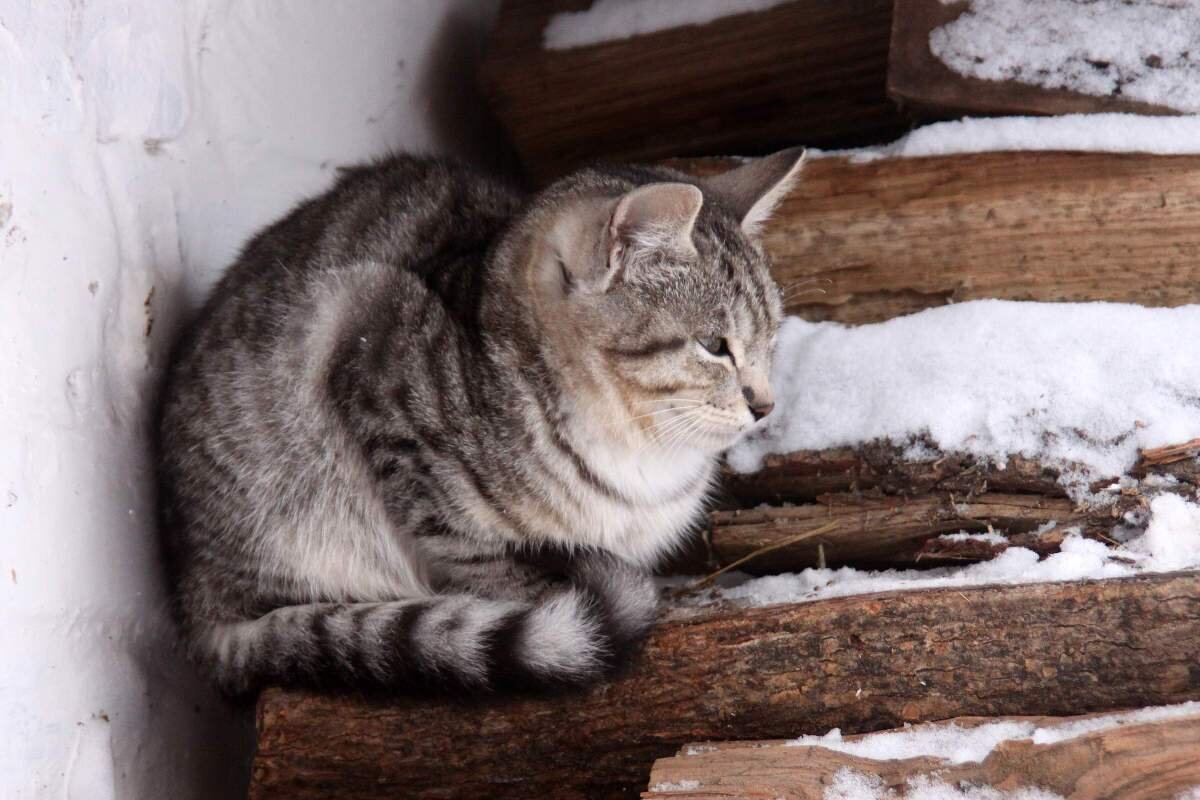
864	242
859	663
804	475
952	73
1135	758
799	71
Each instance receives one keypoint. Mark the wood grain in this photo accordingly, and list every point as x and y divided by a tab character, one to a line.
894	236
924	85
804	71
805	475
884	530
859	663
1146	761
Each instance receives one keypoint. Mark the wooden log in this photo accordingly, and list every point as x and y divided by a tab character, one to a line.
1137	761
805	475
895	236
926	86
805	70
858	663
887	530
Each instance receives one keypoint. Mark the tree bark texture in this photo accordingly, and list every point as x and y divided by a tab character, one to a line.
859	663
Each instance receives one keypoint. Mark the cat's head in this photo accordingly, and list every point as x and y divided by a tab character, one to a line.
661	300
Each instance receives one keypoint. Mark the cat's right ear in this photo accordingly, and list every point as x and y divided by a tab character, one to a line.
659	216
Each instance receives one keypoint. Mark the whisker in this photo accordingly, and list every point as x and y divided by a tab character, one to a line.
802	292
805	282
654	413
669	400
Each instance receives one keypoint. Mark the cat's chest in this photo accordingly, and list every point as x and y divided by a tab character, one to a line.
645	503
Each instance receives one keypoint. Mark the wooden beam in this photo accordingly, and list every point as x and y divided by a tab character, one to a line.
859	663
1143	761
927	87
889	237
803	71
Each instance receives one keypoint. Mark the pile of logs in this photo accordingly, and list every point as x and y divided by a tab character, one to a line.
704	709
833	75
892	237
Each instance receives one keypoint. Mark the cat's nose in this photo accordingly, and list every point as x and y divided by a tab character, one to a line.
760	405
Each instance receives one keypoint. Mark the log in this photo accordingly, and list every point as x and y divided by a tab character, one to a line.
895	236
859	663
808	474
920	82
883	530
1143	761
805	70
804	475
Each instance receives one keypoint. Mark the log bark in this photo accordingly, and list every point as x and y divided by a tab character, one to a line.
805	475
894	236
890	530
858	663
803	71
1145	761
924	85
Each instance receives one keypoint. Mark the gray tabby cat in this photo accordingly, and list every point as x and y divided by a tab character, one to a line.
429	430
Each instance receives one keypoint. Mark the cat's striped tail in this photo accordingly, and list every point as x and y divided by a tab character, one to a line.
570	637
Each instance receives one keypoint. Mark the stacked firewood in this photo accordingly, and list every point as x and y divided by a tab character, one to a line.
880	235
717	687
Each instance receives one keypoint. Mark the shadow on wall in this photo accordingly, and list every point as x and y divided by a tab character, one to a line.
448	93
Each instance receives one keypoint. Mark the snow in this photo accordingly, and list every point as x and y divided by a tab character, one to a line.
849	784
990	378
140	144
958	744
675	786
1102	133
987	538
1144	50
608	20
1171	542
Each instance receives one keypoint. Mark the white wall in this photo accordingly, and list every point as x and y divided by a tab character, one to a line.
140	143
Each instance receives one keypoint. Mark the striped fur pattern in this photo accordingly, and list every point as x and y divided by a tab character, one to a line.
429	430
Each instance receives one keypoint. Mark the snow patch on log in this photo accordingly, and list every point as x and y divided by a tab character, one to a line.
849	784
1096	133
960	744
1087	384
1171	542
1144	50
608	20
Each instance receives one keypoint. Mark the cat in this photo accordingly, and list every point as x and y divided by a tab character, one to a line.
430	431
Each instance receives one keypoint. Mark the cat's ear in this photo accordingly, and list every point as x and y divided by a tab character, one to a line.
754	190
657	216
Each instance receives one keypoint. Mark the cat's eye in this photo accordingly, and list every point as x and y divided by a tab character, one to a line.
715	345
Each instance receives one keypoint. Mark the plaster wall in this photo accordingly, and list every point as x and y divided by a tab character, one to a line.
140	144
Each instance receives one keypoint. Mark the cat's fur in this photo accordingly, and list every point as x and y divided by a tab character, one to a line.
427	428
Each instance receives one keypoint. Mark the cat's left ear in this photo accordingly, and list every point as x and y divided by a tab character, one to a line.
753	191
658	216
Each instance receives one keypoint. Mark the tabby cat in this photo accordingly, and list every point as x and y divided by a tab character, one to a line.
428	430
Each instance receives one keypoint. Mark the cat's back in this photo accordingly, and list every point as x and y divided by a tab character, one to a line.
245	419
